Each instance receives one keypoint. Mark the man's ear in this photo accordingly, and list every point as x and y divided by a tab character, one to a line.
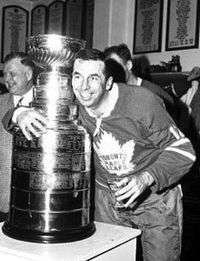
109	83
129	65
29	74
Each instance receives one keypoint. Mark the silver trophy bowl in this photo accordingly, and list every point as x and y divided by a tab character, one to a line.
53	50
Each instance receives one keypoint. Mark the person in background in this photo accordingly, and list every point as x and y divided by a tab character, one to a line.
18	77
6	103
121	54
190	118
139	155
116	70
192	96
191	125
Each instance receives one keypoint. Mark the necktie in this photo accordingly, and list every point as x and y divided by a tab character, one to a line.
20	101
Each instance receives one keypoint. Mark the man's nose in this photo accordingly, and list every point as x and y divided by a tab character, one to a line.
85	84
7	77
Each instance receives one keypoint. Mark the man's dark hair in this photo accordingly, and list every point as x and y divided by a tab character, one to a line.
124	53
121	50
115	70
90	54
25	59
95	55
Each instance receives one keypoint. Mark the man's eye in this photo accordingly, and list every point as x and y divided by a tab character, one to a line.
94	78
76	77
12	74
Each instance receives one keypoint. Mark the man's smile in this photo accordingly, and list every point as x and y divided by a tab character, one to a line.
85	96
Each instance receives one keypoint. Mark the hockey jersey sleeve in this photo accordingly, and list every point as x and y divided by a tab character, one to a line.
176	155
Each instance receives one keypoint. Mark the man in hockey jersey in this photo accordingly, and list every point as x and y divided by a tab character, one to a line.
139	155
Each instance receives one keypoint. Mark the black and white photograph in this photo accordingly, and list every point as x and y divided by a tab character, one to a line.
99	130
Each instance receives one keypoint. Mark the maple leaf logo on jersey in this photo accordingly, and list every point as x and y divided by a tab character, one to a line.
115	158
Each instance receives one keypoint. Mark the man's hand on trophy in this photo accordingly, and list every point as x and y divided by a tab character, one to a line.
32	123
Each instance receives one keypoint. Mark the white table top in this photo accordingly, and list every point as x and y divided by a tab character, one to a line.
105	238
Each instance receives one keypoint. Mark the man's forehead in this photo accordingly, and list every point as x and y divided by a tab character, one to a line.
13	63
88	65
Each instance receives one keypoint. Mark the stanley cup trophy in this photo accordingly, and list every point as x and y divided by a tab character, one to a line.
51	175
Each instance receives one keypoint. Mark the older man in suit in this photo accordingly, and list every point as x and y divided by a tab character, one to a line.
18	76
6	102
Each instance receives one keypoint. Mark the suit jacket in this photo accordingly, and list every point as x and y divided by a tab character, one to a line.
6	112
6	103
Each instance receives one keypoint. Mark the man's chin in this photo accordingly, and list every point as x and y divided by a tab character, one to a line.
86	103
11	90
14	92
84	100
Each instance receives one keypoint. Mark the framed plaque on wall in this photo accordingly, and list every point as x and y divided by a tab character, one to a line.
148	26
14	30
87	28
56	17
38	20
182	24
74	21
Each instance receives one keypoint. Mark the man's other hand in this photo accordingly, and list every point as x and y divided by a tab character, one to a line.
32	123
131	188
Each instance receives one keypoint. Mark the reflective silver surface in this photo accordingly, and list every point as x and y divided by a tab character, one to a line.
54	50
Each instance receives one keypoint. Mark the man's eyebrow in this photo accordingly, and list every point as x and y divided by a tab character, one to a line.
95	74
75	72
